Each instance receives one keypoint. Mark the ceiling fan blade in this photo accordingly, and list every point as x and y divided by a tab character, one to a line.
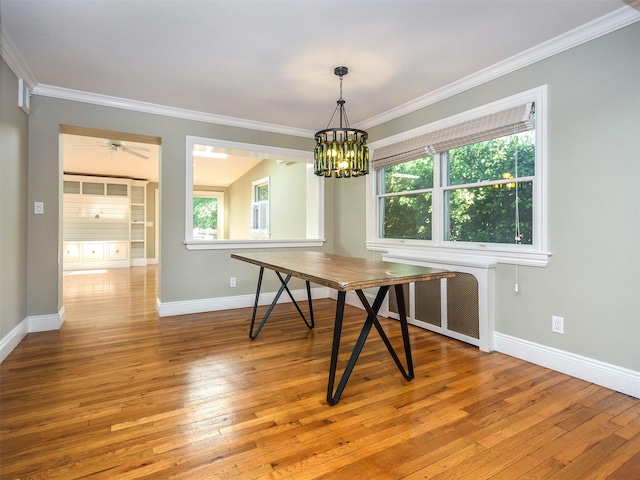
130	151
136	148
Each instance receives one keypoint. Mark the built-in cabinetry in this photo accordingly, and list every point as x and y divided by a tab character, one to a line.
87	255
104	222
138	223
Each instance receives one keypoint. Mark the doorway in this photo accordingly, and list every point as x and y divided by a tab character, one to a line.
110	200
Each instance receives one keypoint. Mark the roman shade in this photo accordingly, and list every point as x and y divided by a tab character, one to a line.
499	124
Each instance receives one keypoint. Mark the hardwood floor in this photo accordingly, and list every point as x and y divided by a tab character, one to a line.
120	393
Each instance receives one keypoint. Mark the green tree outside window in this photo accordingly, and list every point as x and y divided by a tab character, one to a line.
205	212
479	189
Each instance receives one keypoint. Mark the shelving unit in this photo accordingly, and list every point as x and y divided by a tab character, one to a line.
138	223
104	222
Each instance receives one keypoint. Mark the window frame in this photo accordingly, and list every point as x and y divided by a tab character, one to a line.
380	181
221	208
315	197
437	248
258	232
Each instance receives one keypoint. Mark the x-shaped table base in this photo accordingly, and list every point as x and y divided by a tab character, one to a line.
372	319
310	324
345	274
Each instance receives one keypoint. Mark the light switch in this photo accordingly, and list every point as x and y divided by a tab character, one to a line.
38	208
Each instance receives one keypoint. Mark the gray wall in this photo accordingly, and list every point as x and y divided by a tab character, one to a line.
184	275
594	222
287	201
14	209
594	218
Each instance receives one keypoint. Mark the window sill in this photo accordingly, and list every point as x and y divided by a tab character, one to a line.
476	255
241	244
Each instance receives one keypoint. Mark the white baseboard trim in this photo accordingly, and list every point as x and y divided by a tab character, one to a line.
166	309
44	323
610	376
32	324
13	338
604	374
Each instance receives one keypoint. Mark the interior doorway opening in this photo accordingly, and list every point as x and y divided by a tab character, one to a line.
110	201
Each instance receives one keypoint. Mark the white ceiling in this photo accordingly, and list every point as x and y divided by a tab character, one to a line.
89	155
272	61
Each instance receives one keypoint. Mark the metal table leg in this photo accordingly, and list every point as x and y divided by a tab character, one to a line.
371	320
310	324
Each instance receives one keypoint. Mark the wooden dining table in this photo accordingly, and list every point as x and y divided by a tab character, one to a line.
344	274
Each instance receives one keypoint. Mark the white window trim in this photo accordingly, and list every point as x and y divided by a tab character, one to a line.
469	253
268	151
260	232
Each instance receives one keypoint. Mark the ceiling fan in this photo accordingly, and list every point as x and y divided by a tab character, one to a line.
119	146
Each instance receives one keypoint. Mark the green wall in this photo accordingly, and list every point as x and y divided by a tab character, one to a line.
14	209
287	200
594	218
184	275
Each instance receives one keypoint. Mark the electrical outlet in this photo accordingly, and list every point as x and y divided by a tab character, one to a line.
232	282
557	324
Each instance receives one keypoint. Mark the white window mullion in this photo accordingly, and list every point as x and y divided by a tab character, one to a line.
437	205
540	209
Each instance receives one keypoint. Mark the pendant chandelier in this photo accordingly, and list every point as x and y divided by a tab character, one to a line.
342	151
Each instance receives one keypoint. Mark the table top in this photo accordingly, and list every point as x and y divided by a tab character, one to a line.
340	272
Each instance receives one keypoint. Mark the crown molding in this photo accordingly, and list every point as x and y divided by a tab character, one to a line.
144	107
14	59
609	23
620	18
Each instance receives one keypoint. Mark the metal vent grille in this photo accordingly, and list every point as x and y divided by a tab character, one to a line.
462	305
428	304
461	314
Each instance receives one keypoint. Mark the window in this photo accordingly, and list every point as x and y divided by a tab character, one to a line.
481	185
405	196
260	209
225	179
488	191
472	185
208	215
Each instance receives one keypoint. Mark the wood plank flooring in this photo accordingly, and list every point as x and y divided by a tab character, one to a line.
119	393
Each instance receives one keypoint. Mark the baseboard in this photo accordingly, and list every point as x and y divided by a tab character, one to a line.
610	376
607	375
166	309
13	338
44	323
38	323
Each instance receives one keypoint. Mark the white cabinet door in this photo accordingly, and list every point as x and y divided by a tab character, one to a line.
71	252
92	252
117	251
